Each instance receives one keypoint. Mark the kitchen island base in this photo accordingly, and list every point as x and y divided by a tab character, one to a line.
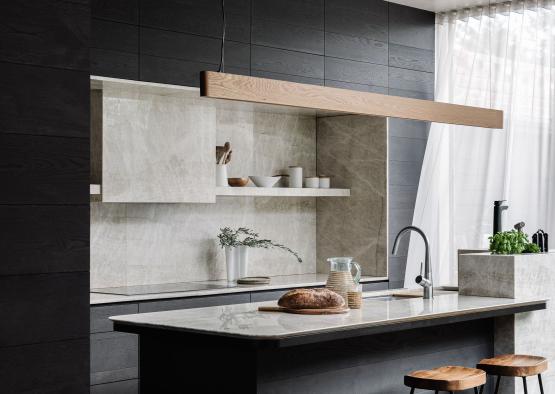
173	362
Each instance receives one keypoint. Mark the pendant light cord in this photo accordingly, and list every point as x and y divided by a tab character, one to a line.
490	20
221	68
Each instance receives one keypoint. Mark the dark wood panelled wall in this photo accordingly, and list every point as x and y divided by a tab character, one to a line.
368	45
44	196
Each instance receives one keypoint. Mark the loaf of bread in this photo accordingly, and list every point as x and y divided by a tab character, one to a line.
311	299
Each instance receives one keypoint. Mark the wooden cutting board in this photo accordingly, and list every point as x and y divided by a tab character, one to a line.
322	311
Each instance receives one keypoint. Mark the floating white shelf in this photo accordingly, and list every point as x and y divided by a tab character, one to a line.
281	192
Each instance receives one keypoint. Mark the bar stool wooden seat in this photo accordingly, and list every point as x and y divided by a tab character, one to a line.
515	365
448	378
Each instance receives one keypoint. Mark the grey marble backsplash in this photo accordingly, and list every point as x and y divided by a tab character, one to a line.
149	243
353	151
134	244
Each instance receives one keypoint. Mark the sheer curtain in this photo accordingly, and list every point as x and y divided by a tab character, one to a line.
497	57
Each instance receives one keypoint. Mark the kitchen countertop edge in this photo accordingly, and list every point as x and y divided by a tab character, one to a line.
533	303
296	281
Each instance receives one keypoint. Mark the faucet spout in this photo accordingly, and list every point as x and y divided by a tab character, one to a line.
425	278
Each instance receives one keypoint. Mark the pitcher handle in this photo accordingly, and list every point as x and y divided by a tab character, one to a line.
356	278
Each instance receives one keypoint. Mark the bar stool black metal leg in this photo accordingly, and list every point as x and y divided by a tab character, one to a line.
412	390
482	388
497	384
525	386
475	390
541	383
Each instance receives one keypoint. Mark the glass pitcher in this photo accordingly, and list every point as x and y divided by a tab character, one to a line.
341	278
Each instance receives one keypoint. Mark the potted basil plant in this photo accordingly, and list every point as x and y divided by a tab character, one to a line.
236	244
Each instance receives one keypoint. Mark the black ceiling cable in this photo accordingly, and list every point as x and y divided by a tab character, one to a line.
222	66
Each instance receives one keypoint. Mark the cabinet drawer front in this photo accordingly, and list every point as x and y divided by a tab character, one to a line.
100	315
114	357
272	295
375	286
193	302
123	387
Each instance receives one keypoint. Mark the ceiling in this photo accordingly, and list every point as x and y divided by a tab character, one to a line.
443	5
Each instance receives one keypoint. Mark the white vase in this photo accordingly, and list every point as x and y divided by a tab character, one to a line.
231	263
242	261
295	177
221	175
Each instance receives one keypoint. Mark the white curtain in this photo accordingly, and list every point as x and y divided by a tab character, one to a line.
495	57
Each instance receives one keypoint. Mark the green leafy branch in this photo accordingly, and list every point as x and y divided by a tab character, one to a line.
246	237
511	242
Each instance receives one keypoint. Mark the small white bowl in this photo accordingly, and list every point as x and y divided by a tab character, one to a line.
312	182
264	181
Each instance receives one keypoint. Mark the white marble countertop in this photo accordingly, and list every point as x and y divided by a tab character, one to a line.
245	321
277	282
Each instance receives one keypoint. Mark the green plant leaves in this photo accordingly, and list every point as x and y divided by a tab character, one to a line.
511	242
230	237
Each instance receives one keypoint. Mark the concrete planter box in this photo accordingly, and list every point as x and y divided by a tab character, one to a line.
516	276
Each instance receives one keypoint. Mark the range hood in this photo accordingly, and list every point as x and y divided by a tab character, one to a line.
341	101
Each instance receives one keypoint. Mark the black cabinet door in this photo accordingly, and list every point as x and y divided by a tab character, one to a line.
270	295
114	357
375	286
100	314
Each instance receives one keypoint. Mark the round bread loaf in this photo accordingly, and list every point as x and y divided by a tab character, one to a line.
311	299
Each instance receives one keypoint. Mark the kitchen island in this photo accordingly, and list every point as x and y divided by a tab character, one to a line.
236	348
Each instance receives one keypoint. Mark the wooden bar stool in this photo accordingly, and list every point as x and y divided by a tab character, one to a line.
514	365
447	378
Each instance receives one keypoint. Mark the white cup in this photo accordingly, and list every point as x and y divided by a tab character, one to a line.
324	182
312	182
295	177
221	175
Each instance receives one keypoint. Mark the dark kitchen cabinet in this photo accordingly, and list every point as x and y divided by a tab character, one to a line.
115	356
194	302
100	314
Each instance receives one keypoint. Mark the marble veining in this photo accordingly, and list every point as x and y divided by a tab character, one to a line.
157	148
243	320
145	243
353	151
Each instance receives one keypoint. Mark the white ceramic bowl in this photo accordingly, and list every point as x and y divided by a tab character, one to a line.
264	181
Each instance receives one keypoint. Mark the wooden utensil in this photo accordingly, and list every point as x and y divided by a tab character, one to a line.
321	311
227	148
220	150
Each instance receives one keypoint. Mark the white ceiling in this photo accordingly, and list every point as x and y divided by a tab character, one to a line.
443	5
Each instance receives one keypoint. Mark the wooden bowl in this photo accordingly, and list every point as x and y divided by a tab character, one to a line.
237	182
